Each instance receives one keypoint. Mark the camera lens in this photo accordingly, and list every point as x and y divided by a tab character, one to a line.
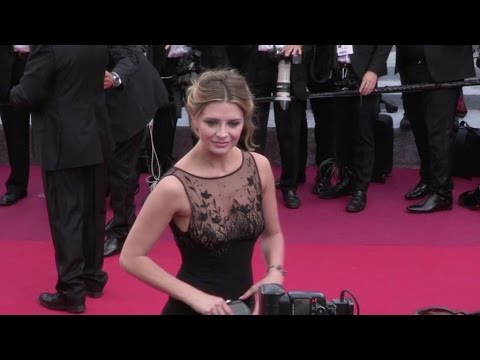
283	84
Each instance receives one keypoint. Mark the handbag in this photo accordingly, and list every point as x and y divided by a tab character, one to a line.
466	151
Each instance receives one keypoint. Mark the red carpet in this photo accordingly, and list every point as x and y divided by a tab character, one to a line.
393	262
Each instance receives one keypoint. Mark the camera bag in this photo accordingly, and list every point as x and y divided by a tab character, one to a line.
466	150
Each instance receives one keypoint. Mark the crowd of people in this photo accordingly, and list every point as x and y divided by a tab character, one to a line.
90	106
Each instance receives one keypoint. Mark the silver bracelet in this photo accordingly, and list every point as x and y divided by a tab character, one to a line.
277	267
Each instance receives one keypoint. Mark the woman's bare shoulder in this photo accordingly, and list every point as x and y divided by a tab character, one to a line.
261	161
168	188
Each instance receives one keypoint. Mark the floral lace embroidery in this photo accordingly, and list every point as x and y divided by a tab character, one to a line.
224	209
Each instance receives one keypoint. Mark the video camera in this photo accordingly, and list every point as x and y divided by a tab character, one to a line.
275	301
188	68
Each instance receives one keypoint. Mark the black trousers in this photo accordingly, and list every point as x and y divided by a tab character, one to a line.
123	180
291	126
164	126
323	114
16	126
432	115
355	118
348	126
76	212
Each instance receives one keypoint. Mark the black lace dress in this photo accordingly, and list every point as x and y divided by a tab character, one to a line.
226	220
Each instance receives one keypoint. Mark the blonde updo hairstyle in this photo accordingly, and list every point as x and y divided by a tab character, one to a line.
223	85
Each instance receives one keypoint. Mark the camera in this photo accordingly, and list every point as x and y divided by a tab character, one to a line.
273	300
277	55
282	94
188	69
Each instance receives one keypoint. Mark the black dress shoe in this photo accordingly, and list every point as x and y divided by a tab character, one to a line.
420	190
358	202
95	294
11	198
470	199
433	203
59	301
291	199
112	246
94	288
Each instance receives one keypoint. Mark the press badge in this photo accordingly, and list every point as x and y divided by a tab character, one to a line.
343	50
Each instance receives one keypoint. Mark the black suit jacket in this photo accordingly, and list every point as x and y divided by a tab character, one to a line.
445	62
370	58
322	59
64	86
6	64
134	103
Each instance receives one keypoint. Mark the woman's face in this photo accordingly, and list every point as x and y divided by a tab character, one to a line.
219	126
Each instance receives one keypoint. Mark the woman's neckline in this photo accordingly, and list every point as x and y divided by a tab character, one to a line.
215	177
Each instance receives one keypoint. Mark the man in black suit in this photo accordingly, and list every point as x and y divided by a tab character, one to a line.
367	64
16	123
260	65
134	92
63	85
354	67
432	115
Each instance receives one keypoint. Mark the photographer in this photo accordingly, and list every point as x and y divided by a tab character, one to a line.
261	67
134	93
355	67
432	116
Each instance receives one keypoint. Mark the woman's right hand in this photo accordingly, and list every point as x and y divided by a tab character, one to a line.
211	305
